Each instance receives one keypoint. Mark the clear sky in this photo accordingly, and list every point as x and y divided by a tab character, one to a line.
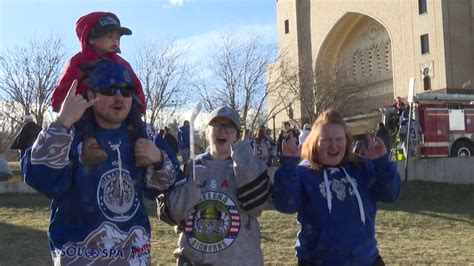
193	21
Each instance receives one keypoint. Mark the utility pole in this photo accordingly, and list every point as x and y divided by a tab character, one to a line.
274	129
411	88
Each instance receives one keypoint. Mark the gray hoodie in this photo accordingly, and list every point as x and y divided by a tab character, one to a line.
218	221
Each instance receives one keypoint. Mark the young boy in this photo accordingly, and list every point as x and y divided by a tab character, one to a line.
99	34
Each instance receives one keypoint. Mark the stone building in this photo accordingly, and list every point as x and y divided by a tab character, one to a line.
380	44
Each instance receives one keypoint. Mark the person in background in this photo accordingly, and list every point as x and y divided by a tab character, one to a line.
304	133
272	158
359	146
280	139
27	135
384	135
161	132
260	146
183	141
171	139
98	214
282	136
335	193
99	34
5	170
414	137
217	214
399	105
403	122
268	134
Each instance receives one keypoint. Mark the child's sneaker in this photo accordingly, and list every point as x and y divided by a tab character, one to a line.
92	152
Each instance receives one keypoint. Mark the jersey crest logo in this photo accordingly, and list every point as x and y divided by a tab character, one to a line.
214	224
117	206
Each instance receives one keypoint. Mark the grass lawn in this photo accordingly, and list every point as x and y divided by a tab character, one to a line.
433	223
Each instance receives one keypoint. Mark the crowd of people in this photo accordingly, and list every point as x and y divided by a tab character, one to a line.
403	136
98	162
395	133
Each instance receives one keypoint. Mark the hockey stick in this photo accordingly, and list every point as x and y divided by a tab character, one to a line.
195	113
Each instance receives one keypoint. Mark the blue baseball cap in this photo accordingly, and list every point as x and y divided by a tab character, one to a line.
106	74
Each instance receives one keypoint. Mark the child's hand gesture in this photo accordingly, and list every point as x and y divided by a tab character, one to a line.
375	147
290	147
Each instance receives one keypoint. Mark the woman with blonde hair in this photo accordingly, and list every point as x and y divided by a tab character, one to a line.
334	193
217	213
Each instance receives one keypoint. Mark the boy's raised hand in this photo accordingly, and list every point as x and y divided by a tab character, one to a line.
73	106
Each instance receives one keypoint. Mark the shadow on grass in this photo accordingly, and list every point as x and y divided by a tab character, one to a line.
438	200
23	246
24	200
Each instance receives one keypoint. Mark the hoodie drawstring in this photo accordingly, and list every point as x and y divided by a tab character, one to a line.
328	191
116	147
354	188
359	199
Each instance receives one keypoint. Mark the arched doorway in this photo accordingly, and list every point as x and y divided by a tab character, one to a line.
359	49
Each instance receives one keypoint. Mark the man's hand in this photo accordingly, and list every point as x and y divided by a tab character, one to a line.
148	149
73	106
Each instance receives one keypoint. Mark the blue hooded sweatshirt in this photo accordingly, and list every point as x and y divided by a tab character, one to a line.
336	207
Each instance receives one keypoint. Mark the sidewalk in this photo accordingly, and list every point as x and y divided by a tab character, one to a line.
443	170
15	185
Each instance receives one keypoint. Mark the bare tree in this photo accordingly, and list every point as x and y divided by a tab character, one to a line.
8	132
28	75
327	85
165	75
283	87
238	70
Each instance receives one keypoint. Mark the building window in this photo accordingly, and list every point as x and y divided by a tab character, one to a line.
426	79
422	8
358	65
427	83
425	44
287	26
388	55
375	61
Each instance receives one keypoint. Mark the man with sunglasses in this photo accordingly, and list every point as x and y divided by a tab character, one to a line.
98	216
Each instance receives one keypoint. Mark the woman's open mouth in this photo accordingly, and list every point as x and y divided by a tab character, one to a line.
221	140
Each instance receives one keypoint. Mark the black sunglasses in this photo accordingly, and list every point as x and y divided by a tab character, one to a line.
112	91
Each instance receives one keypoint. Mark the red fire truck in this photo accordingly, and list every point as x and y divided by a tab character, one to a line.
447	122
